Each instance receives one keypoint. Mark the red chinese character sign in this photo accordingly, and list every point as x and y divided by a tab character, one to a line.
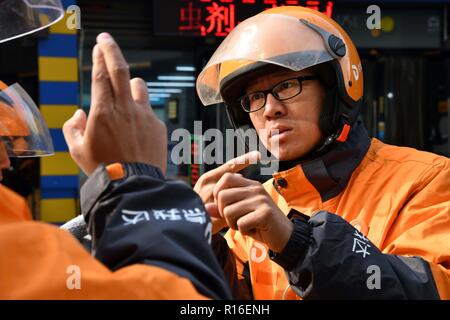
220	20
190	18
218	17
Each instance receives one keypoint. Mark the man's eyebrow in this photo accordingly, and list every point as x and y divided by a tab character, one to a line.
249	88
255	82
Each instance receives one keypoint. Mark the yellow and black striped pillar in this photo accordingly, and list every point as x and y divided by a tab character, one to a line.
59	98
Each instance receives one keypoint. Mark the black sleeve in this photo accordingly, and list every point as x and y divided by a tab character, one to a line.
327	258
143	218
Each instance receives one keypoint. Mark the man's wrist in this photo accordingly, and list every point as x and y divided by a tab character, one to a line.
121	170
106	176
296	247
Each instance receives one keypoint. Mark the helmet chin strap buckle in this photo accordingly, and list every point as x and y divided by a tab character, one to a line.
344	133
340	137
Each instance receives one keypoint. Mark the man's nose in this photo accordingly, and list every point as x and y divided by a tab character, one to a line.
273	107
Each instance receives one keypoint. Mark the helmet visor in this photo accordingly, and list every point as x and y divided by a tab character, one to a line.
22	129
269	38
22	17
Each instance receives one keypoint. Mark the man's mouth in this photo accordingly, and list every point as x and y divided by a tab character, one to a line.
278	131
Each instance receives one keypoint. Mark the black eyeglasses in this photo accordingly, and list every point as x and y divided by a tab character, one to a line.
282	91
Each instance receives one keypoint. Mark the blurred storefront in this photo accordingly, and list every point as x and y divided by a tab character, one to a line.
406	67
406	71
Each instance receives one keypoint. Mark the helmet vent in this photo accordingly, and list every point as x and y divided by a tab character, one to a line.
336	45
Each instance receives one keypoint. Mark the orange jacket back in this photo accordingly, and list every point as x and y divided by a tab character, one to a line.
41	261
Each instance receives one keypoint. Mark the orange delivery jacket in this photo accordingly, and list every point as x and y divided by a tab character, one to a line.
41	261
371	221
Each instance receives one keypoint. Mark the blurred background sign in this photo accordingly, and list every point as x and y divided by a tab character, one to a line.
400	28
217	17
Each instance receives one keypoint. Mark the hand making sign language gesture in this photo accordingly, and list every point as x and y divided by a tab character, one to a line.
243	204
121	126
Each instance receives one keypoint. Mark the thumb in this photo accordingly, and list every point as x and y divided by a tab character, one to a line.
213	210
218	222
74	128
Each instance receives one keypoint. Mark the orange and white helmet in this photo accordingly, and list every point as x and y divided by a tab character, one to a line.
289	37
23	131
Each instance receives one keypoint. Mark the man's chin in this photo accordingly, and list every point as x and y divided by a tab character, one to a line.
288	155
283	156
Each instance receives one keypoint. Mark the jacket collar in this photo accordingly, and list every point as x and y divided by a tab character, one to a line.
330	172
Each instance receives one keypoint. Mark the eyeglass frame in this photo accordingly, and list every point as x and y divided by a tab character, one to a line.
265	92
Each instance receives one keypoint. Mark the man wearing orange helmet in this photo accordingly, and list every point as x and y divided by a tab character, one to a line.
345	216
145	246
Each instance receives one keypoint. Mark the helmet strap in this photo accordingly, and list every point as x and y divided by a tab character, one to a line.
334	125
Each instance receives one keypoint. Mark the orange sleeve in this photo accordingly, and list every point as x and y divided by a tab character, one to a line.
422	227
12	206
40	261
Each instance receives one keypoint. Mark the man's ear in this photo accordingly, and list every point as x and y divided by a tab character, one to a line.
326	74
327	115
